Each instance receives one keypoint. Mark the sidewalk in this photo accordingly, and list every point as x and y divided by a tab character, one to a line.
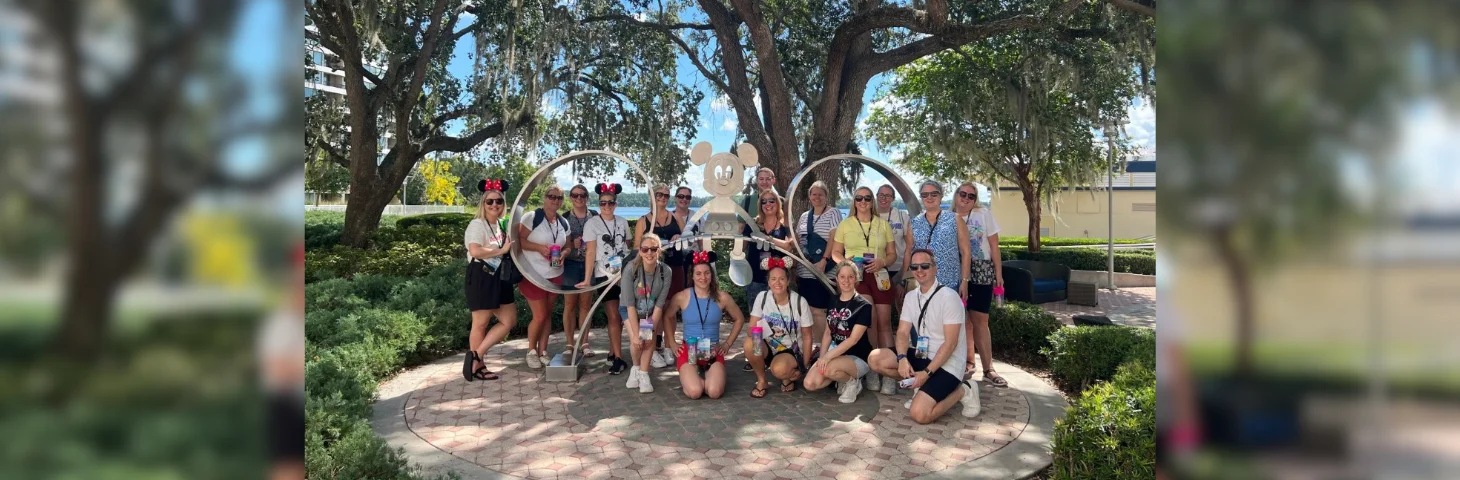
1133	306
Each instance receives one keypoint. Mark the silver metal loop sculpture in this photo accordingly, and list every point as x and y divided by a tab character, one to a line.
909	197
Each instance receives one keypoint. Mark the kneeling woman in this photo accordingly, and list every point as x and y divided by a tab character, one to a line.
701	307
784	318
847	321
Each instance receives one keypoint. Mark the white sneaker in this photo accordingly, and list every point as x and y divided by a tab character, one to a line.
850	391
633	378
533	361
668	356
873	382
971	406
889	387
657	359
645	386
908	403
545	360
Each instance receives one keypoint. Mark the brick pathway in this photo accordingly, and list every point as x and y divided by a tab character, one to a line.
1134	306
523	427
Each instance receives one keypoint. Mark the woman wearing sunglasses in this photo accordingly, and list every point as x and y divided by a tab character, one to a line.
644	286
543	233
607	240
702	305
668	228
983	274
486	295
865	239
815	229
575	305
942	232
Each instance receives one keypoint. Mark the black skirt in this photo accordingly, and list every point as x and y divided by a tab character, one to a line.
484	291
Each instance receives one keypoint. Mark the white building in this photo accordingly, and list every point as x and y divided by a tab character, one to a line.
324	75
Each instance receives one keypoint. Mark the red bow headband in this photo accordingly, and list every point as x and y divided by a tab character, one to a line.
612	188
775	263
498	185
703	258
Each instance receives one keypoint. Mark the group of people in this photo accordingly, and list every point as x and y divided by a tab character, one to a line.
809	335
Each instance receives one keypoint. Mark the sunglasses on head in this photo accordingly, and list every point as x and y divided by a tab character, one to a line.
607	203
863	198
965	194
930	194
495	201
555	198
919	266
683	197
649	249
578	195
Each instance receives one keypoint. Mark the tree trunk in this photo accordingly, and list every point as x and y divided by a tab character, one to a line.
362	214
1032	208
1240	280
86	311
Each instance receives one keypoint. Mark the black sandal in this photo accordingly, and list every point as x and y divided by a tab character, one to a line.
788	385
466	371
484	374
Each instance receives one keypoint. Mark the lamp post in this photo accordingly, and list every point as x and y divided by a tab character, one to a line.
1110	218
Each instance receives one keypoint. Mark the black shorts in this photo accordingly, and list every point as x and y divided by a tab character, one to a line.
613	291
286	427
815	292
940	383
980	297
483	290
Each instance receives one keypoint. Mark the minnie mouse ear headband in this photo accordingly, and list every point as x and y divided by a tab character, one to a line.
768	263
489	184
707	258
608	188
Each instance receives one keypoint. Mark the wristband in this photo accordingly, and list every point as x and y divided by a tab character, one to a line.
901	357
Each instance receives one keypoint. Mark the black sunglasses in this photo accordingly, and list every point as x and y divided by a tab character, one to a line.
660	195
863	198
919	266
768	201
683	197
494	201
971	196
578	195
555	198
884	195
649	249
930	194
607	203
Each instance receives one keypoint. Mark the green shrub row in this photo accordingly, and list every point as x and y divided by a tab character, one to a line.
1019	332
1110	431
1081	356
1127	261
1018	241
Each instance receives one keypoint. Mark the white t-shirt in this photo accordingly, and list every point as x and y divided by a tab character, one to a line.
482	233
944	309
981	224
612	238
282	336
549	232
781	325
824	225
900	222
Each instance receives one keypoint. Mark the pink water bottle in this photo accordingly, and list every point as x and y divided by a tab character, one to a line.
999	295
755	336
555	255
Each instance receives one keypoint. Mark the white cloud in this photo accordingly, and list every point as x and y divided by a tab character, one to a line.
1140	128
729	125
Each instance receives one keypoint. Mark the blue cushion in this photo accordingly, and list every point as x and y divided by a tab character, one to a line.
1046	286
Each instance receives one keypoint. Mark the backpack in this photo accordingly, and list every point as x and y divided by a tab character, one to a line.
538	216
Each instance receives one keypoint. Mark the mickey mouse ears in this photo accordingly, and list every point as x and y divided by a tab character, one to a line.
612	188
704	258
769	263
490	184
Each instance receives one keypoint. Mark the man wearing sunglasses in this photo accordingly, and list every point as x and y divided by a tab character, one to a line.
930	346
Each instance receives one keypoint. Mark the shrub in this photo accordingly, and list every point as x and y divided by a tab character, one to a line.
1081	356
1110	431
1020	331
1085	259
453	221
1020	241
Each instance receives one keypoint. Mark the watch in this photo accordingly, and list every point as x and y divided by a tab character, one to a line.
901	357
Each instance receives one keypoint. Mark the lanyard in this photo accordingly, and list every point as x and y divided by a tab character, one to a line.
552	227
494	236
649	292
924	309
866	232
613	234
694	298
933	229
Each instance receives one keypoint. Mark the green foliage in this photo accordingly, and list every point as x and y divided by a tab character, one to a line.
1020	331
1014	241
1126	261
1110	431
456	221
1081	356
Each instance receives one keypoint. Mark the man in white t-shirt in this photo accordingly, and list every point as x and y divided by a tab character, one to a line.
931	313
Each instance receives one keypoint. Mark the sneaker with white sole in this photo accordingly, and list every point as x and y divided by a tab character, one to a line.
889	387
850	391
657	359
872	382
971	406
668	356
587	352
633	379
908	403
545	359
645	386
533	361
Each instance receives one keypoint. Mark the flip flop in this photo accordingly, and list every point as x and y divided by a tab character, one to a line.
788	385
484	374
758	392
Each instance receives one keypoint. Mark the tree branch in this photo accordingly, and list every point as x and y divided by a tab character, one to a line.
277	173
666	26
1137	7
732	59
668	31
446	143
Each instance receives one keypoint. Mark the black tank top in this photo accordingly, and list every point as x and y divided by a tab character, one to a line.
666	232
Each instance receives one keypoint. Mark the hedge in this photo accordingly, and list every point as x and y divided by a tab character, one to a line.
1086	259
1017	241
1020	331
1081	356
1110	431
